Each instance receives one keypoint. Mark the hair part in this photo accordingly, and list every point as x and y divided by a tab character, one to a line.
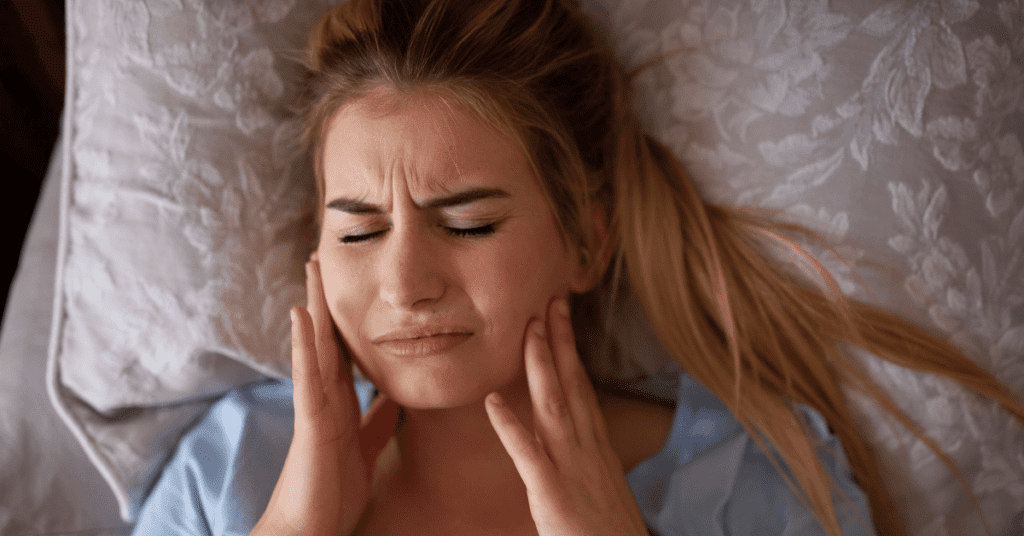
724	307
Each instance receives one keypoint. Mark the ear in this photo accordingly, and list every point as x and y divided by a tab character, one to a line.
589	271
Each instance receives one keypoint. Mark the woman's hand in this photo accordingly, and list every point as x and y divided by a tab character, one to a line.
574	480
325	483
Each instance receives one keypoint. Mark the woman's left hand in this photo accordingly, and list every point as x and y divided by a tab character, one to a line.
574	480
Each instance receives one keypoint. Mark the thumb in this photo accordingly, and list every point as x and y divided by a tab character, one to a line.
377	427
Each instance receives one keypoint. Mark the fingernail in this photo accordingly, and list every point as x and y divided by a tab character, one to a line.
562	307
538	328
292	314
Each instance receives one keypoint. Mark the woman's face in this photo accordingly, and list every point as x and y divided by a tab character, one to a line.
437	248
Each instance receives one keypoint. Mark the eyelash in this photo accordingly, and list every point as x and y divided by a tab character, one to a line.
471	232
482	230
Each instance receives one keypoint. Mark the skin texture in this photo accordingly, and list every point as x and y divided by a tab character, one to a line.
394	265
411	271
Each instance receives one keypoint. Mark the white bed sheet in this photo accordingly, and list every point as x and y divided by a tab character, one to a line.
47	485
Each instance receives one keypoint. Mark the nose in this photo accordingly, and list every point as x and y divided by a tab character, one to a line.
410	272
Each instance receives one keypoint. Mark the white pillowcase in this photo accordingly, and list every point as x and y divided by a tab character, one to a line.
185	214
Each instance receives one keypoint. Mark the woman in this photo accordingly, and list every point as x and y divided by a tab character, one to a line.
477	164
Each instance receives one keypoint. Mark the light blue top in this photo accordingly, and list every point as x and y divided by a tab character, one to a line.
709	479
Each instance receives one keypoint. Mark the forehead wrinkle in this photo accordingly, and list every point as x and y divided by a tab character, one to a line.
452	142
411	164
432	177
443	165
393	155
402	154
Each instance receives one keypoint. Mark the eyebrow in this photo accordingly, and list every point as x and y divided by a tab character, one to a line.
355	206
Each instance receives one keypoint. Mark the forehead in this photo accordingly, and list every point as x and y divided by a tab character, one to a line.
432	143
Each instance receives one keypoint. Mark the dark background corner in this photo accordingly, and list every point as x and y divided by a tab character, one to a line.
32	69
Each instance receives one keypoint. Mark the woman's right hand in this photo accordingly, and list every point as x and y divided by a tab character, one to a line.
324	486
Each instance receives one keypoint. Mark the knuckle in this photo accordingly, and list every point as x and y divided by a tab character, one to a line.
528	447
556	406
507	418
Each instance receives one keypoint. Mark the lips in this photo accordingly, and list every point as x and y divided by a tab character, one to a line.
422	341
434	344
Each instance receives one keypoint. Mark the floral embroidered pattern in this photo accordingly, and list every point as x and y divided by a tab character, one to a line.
893	127
187	213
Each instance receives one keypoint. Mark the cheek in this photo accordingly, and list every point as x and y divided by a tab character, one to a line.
342	290
515	282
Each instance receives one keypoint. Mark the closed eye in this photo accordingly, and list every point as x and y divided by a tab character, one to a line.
353	239
460	232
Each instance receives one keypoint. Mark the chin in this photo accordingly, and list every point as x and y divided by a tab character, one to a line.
441	387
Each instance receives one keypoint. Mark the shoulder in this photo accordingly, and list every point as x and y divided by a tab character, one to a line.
638	426
711	477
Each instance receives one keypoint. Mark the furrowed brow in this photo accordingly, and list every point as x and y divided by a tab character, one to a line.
355	206
465	197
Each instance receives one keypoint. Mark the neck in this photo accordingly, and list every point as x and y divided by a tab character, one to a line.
453	456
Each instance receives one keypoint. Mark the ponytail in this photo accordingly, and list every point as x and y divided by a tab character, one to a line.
763	340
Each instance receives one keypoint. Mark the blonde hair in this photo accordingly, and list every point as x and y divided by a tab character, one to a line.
758	337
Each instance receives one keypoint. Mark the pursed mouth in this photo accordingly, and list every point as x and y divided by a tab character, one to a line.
423	344
420	332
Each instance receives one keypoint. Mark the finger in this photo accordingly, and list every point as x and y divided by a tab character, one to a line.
377	427
326	341
531	461
308	392
337	384
583	403
552	418
574	380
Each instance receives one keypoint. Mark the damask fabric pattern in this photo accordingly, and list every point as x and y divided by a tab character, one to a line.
892	127
184	212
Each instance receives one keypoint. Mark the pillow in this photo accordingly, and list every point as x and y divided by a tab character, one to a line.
892	127
184	218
